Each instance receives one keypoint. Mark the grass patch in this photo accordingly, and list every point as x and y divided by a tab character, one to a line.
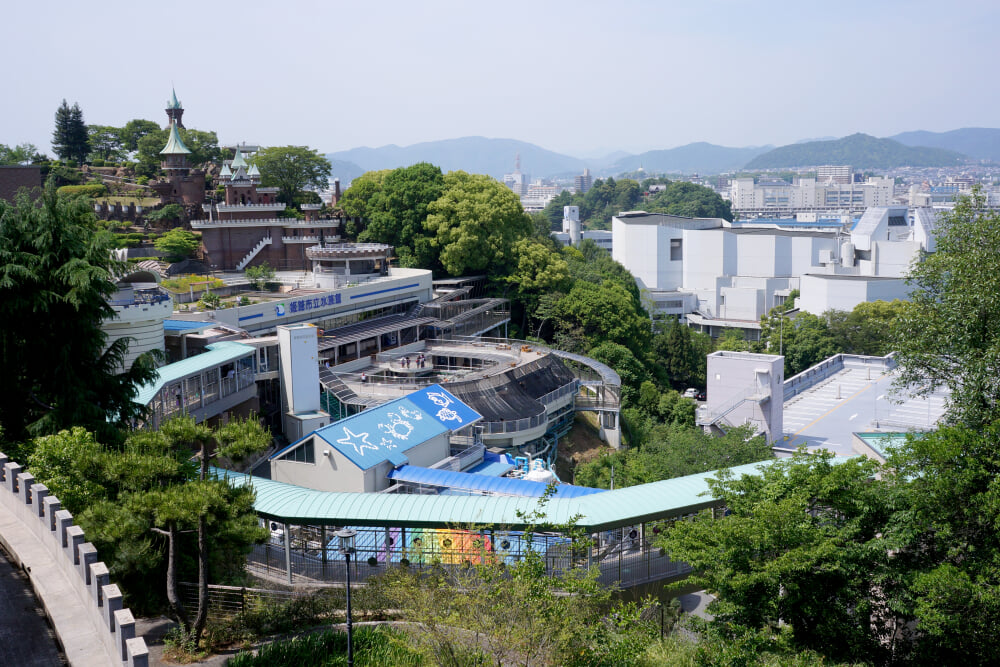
182	284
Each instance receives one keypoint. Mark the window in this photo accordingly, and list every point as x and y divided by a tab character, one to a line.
676	250
304	453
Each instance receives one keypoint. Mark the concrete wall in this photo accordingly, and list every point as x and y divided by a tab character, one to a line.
822	293
74	587
749	388
335	472
14	178
262	317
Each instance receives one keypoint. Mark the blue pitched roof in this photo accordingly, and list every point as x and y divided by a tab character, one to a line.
504	486
385	432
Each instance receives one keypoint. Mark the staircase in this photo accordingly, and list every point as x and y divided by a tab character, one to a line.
719	418
253	253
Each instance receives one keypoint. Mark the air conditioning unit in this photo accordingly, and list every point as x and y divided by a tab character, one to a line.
826	257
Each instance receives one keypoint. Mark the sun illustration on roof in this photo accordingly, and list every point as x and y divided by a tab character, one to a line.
353	439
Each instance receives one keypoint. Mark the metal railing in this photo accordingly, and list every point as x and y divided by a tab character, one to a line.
622	556
705	417
514	425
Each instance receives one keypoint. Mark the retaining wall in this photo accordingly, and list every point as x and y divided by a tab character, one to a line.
72	585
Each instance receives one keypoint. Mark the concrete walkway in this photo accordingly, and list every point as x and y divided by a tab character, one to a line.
25	638
70	618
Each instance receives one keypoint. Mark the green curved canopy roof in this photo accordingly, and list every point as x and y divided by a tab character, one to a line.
600	511
174	144
173	103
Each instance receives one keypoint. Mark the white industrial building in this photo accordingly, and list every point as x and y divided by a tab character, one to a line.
722	275
750	197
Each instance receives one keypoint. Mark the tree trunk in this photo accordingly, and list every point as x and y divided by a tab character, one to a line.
202	617
173	599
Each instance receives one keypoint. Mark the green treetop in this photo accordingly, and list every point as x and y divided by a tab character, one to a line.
69	139
55	264
292	169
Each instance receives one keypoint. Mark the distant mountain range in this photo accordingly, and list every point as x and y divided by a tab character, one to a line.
981	143
861	151
700	157
496	156
478	155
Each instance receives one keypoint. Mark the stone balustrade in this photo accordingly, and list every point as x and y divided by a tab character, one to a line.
85	608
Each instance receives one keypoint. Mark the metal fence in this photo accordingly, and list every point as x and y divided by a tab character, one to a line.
624	556
225	602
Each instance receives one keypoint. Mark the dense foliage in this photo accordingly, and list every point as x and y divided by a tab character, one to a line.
608	197
453	224
56	266
20	154
178	244
69	138
516	614
805	339
154	516
673	449
373	647
204	147
948	333
93	191
293	170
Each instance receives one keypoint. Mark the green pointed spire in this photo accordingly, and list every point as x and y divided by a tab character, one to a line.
238	161
173	103
174	144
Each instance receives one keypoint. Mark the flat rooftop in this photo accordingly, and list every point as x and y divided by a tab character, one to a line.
856	400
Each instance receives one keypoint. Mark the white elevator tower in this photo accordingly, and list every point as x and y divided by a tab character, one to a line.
299	358
571	223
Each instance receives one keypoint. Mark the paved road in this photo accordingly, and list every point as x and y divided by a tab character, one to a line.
25	638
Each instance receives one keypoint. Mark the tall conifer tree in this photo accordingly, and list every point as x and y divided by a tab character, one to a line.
69	139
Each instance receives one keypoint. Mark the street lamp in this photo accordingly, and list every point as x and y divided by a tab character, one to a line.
345	539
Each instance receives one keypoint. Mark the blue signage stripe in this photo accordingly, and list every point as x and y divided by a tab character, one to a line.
383	291
251	317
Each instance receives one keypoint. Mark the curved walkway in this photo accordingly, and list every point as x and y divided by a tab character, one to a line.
25	638
69	616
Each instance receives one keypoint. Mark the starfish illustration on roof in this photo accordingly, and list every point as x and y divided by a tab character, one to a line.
353	439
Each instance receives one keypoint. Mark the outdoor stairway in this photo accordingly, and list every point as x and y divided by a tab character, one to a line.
253	253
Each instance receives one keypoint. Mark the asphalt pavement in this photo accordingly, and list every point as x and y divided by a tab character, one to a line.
25	637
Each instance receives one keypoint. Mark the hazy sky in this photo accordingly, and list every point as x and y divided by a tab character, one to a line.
578	77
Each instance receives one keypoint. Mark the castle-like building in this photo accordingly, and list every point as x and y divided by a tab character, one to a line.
247	228
181	184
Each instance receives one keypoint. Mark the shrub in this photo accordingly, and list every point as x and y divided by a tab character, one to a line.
93	191
142	180
372	646
169	213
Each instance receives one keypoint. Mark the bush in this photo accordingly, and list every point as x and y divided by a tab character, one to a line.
169	213
372	646
92	191
143	180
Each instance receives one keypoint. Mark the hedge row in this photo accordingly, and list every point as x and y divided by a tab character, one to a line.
93	190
